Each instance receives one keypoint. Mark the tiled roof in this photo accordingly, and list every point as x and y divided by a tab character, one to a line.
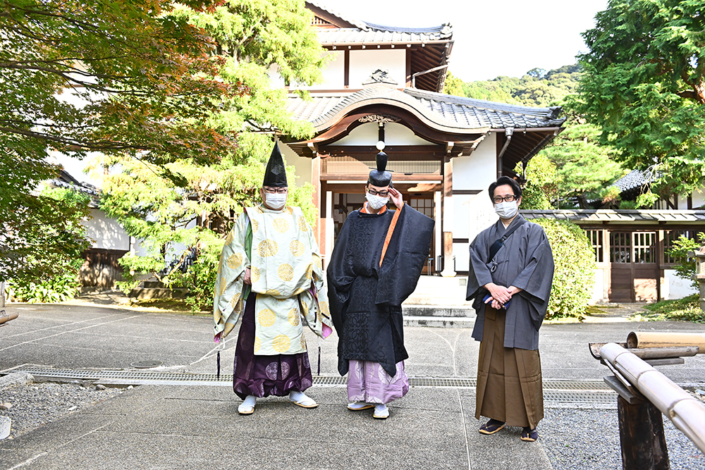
374	34
65	180
369	33
635	179
618	216
449	111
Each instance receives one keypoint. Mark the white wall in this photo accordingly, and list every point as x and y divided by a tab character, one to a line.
301	164
676	288
107	233
698	199
479	169
598	290
364	62
394	134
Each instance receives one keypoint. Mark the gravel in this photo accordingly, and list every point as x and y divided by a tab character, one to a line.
34	405
578	439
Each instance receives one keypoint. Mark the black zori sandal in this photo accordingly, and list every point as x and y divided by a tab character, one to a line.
529	435
491	427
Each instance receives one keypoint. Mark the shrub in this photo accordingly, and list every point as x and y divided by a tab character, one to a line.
574	277
685	267
54	289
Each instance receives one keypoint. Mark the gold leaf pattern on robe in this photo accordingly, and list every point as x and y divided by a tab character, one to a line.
325	309
236	299
255	226
228	328
266	317
297	248
289	210
317	260
258	344
254	274
309	272
229	239
272	292
281	225
286	272
223	285
281	343
303	342
294	317
267	248
303	226
305	306
235	261
299	290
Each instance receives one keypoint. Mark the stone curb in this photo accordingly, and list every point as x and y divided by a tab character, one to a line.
15	378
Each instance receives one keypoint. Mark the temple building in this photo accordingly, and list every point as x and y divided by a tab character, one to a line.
383	89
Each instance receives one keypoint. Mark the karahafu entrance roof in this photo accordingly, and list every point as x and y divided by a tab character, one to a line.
451	112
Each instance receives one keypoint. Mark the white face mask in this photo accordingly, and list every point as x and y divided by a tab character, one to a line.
506	210
376	202
275	201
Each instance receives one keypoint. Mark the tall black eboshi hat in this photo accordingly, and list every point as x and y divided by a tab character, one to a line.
380	177
275	174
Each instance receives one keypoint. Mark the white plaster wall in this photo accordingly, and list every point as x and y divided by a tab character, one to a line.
366	61
333	72
677	288
301	164
479	212
107	233
598	289
461	251
478	170
394	134
275	79
461	224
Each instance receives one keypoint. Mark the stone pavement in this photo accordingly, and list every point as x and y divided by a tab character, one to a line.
198	426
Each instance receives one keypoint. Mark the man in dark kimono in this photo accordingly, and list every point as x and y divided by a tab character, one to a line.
375	266
510	277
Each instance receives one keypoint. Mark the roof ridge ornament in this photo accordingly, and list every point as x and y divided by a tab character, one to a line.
383	118
380	77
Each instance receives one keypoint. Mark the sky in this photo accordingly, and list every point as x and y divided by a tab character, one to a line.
492	37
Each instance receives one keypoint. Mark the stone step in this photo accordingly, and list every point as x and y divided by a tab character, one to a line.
151	284
158	293
440	322
452	311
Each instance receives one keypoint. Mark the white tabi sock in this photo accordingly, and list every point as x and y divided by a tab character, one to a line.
358	405
301	399
381	411
247	405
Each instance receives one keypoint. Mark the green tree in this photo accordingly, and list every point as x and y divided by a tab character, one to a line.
58	246
643	85
196	205
453	85
541	189
123	77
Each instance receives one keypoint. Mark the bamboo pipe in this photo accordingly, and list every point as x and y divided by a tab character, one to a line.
643	340
5	317
686	413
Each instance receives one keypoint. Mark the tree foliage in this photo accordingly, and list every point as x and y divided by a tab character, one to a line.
125	77
643	85
574	276
541	189
194	207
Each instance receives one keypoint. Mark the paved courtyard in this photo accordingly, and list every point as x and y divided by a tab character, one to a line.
177	426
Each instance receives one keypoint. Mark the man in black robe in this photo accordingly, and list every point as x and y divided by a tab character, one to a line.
375	266
510	277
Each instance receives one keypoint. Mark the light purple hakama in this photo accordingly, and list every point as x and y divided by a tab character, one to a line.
368	382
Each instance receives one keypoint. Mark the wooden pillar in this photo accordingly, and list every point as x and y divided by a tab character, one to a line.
316	182
329	225
346	68
641	436
448	270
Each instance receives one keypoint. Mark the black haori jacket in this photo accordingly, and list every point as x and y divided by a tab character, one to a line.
365	299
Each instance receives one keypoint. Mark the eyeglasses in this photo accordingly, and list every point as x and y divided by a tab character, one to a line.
275	190
378	193
510	198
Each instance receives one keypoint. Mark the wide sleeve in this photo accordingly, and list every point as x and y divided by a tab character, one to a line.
479	274
314	300
536	279
405	257
228	303
340	276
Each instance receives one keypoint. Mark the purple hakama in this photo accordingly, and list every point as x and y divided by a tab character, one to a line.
368	382
262	376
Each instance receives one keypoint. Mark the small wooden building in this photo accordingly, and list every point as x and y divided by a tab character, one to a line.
631	250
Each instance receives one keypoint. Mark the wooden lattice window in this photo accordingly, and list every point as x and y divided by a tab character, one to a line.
670	236
644	247
620	247
317	21
595	237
